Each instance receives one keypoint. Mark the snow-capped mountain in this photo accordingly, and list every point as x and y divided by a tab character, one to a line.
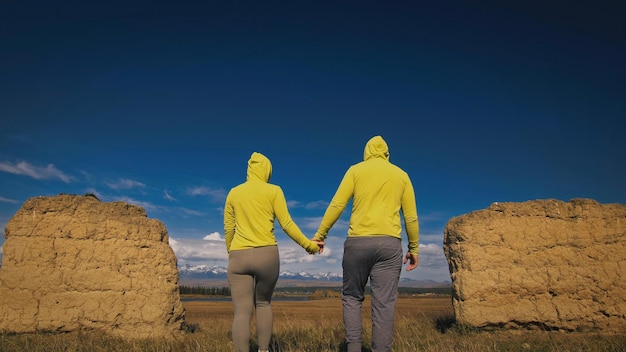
216	272
202	271
188	271
303	275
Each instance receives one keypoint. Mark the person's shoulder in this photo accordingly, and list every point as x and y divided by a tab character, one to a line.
242	187
238	186
269	186
274	186
397	167
398	170
274	189
358	165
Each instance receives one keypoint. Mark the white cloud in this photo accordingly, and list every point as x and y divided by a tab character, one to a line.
320	204
185	212
431	255
308	223
295	258
431	237
215	194
333	251
293	253
39	173
194	251
7	200
125	183
215	236
169	197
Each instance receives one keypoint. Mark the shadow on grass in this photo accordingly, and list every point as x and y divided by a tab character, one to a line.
444	323
276	347
343	347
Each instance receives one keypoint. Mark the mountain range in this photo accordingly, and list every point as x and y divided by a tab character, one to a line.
188	271
193	273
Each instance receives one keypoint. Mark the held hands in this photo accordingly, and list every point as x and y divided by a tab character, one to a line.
411	259
319	243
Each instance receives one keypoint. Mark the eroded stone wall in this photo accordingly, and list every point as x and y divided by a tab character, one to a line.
545	264
74	262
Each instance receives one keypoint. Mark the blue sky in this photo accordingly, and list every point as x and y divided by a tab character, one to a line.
160	104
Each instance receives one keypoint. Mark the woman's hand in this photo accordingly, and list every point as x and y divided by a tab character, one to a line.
319	243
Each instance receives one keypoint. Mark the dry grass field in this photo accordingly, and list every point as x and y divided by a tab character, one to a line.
422	324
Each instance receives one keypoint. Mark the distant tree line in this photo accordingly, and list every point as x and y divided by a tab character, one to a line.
204	290
315	292
447	290
330	293
303	290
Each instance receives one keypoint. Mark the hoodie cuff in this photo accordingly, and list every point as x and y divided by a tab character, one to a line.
318	236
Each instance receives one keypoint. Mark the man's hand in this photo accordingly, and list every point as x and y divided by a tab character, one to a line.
411	259
319	244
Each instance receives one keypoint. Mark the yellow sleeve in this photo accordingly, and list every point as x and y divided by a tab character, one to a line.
229	223
337	205
288	225
409	211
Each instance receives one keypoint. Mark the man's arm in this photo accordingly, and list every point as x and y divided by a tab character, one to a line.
409	211
229	223
336	207
288	225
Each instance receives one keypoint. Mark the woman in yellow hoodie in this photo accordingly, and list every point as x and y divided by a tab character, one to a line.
381	192
253	262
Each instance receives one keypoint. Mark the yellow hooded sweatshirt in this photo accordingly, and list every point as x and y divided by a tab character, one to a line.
251	208
380	190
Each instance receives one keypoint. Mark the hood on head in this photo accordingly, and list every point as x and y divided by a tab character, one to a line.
260	167
376	147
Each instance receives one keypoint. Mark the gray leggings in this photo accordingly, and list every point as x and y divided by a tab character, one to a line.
379	259
252	276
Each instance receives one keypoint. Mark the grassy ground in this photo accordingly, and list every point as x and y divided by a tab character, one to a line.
422	324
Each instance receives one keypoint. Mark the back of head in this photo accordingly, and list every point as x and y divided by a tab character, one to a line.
376	147
259	167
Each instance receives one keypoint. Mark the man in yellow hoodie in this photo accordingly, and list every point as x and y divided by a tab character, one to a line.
380	193
253	262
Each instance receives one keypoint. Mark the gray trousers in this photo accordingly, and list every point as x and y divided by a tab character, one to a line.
379	259
252	275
